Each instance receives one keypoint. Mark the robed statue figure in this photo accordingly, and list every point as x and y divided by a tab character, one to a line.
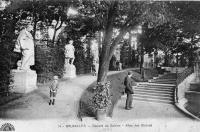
25	45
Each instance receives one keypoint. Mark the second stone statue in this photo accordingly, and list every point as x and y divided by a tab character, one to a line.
70	69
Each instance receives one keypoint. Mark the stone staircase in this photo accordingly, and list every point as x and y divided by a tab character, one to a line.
164	81
159	90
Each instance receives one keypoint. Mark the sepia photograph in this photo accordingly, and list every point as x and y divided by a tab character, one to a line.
99	65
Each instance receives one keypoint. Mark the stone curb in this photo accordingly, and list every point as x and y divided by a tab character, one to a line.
7	99
181	106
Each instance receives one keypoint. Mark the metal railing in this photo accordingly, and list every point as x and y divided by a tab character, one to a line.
180	78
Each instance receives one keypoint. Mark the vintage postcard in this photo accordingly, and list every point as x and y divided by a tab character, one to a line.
99	65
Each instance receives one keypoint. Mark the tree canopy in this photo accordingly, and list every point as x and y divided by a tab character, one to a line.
161	22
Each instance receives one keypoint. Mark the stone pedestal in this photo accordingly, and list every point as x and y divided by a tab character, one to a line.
70	71
23	81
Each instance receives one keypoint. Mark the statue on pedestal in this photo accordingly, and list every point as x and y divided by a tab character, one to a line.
24	79
25	45
70	69
69	53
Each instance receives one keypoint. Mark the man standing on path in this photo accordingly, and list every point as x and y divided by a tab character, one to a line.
128	90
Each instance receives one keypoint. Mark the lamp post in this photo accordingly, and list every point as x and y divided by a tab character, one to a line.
139	31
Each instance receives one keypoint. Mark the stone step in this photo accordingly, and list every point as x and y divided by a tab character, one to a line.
153	97
159	90
154	93
170	74
163	82
165	79
156	89
156	86
153	100
173	79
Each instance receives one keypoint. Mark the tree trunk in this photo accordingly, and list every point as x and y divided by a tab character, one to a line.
109	46
103	70
61	23
34	29
191	59
106	53
54	34
166	59
129	55
177	60
100	42
104	59
155	58
34	19
142	58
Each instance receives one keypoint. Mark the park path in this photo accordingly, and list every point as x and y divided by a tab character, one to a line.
32	112
153	100
148	110
35	105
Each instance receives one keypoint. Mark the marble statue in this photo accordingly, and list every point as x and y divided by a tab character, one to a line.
24	79
69	53
25	45
70	69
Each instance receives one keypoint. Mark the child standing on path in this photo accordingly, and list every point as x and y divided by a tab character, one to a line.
53	90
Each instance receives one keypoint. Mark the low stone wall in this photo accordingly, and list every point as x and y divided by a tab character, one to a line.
195	86
185	86
193	97
193	103
188	101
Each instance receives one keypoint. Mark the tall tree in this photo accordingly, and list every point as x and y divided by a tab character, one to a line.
124	16
102	15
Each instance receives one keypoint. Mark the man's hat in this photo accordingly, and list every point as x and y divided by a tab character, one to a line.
55	77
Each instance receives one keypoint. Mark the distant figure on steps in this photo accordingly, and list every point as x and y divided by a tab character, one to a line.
69	53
